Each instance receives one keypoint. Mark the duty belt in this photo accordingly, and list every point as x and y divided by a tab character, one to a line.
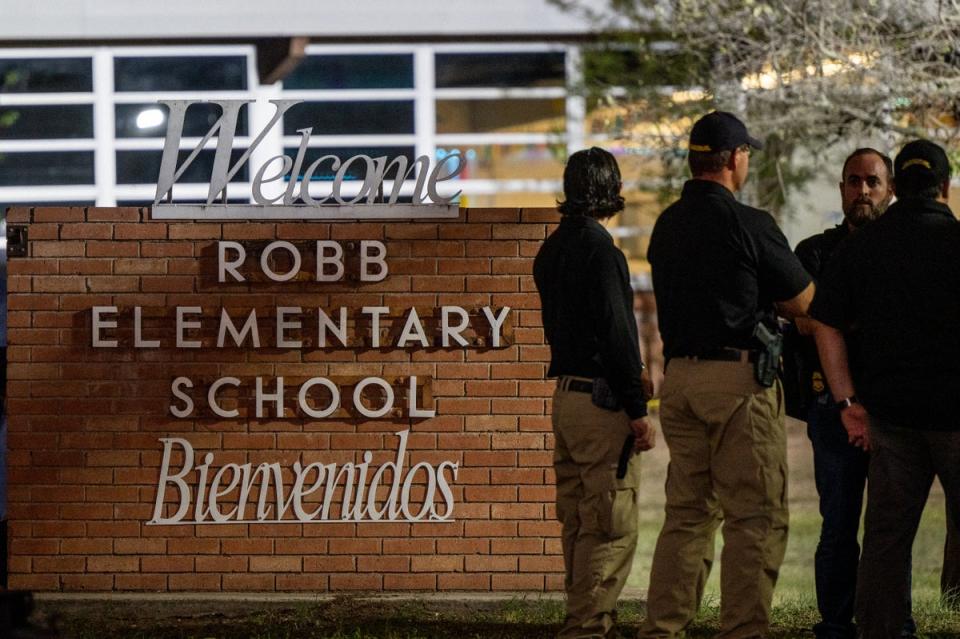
567	383
724	354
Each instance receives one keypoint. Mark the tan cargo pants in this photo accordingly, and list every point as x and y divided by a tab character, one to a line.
728	463
599	512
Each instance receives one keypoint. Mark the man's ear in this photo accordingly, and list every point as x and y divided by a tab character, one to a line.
732	160
945	189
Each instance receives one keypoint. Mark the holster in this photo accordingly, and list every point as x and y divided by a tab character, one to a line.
603	396
768	359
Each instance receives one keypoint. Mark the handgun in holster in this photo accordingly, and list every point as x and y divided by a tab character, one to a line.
768	358
603	396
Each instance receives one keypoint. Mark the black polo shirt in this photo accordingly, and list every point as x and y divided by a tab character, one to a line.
897	283
587	307
814	253
718	267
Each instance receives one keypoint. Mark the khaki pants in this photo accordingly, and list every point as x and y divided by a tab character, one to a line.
728	463
599	512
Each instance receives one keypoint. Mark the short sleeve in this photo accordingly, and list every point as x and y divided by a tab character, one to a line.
781	274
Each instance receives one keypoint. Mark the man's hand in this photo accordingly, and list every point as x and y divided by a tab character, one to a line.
645	434
857	424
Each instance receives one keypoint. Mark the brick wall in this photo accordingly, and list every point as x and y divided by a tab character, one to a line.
85	423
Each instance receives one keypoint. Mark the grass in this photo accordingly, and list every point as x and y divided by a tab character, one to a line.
796	575
352	617
528	617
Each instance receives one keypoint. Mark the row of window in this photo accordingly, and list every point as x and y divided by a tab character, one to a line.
55	100
355	117
229	73
142	167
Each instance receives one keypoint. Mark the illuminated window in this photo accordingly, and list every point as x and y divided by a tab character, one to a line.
501	115
509	161
150	120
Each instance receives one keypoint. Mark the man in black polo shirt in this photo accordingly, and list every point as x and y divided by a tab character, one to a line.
840	469
898	282
719	269
600	401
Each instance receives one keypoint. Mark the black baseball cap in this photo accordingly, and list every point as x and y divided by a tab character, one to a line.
720	131
922	159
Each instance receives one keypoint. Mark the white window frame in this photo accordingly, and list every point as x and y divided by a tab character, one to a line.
424	94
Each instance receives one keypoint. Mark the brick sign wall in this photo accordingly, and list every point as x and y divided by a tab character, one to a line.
89	427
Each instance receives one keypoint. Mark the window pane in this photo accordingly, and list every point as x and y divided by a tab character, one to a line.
352	72
356	170
46	122
181	73
500	69
346	118
506	161
61	167
46	75
143	167
505	116
150	120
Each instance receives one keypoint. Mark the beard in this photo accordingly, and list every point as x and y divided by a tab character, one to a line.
863	210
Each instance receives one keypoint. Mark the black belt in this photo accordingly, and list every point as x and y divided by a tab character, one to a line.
575	385
724	354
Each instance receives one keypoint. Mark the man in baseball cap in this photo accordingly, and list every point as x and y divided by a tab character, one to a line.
895	283
720	131
922	166
719	269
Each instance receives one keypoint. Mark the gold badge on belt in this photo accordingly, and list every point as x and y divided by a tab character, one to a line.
817	382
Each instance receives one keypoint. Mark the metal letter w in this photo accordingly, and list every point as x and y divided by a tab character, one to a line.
224	128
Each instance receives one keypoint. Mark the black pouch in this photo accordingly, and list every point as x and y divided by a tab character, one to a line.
603	396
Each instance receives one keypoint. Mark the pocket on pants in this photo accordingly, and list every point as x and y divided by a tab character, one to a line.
613	513
624	513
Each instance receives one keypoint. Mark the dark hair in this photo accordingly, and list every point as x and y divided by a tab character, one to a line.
887	162
591	184
707	161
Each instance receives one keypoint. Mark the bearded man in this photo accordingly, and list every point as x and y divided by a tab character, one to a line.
840	469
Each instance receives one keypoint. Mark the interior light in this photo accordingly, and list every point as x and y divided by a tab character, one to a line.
149	118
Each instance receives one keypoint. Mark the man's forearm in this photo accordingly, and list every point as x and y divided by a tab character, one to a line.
832	348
